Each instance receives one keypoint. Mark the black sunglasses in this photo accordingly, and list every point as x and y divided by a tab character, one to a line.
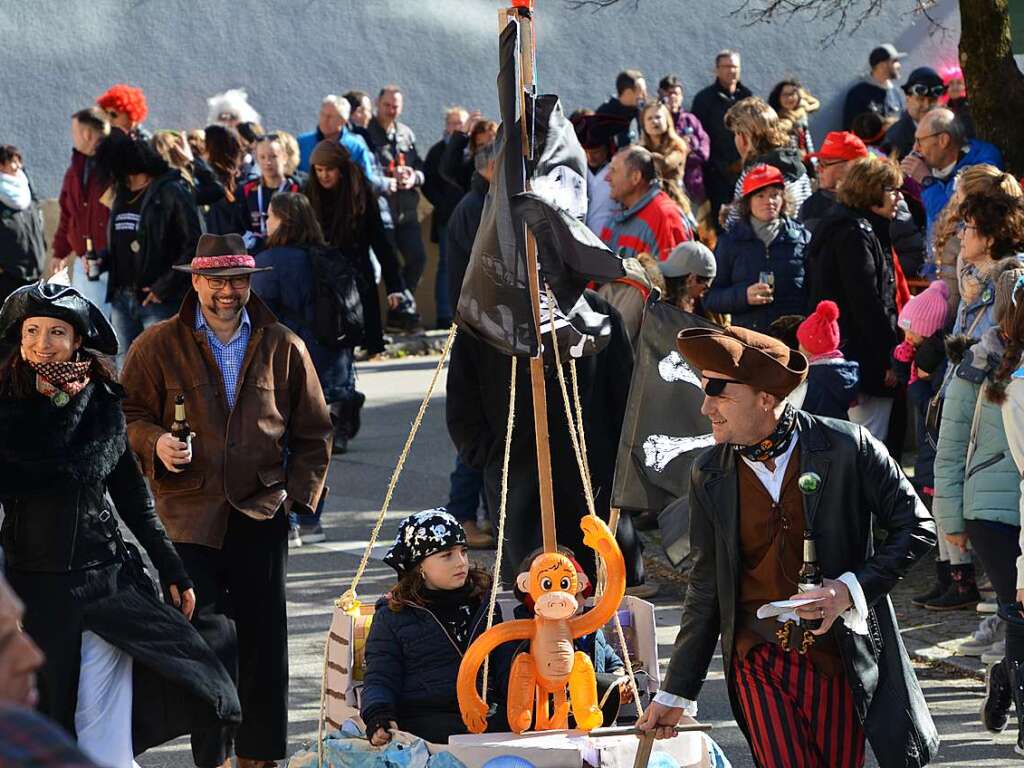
715	387
920	89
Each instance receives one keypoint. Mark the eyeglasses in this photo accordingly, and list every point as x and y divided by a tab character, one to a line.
267	137
227	117
920	89
715	387
216	283
919	139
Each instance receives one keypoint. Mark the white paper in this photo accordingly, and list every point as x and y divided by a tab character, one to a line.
780	607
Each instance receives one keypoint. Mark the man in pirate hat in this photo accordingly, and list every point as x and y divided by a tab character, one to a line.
252	399
775	478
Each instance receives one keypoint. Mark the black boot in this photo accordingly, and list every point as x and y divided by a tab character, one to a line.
995	707
1016	680
355	405
340	423
962	592
938	589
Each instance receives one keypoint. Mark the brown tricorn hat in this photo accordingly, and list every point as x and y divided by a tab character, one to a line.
751	358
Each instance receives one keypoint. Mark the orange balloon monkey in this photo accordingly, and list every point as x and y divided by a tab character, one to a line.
552	663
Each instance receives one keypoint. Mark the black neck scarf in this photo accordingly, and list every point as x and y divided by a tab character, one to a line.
776	443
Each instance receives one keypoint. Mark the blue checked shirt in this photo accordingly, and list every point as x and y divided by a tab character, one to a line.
229	356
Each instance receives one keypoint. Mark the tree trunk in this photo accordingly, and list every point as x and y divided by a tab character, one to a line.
994	83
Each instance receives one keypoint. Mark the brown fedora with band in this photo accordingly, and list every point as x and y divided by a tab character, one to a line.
221	256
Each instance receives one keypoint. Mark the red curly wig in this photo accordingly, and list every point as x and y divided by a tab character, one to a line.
127	99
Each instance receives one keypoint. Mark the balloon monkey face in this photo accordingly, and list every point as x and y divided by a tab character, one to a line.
553	585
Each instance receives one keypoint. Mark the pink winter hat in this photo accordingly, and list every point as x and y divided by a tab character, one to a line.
819	333
926	313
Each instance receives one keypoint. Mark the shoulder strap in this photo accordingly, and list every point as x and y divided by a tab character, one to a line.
974	425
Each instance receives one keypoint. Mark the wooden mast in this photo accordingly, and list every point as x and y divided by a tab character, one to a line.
522	10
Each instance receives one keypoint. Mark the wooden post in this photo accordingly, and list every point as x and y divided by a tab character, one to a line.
540	403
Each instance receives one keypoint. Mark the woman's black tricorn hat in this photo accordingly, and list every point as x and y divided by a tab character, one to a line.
61	302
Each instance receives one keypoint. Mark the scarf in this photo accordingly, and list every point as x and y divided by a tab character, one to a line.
766	231
776	443
454	609
61	381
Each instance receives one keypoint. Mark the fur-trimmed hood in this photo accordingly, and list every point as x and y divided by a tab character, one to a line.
46	446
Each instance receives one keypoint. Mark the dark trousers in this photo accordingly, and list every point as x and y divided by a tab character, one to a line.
465	490
442	296
240	590
408	241
796	717
996	546
9	284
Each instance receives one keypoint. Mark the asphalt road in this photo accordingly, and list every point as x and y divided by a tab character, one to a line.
358	480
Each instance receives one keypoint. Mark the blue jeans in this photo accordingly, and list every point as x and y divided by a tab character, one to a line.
337	371
441	292
130	318
304	518
466	492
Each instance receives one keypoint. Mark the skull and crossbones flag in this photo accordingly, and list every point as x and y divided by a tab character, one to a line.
663	429
495	304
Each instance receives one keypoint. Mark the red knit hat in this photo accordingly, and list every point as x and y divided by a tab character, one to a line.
127	99
841	145
819	333
761	176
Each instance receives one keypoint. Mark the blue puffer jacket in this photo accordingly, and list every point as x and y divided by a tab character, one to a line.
832	387
742	257
988	487
412	666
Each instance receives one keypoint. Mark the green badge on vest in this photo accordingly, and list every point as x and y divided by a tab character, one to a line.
809	482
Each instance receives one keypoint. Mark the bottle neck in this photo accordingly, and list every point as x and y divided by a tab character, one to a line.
810	552
179	414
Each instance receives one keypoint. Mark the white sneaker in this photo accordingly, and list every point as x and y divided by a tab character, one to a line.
989	631
995	653
987	607
294	538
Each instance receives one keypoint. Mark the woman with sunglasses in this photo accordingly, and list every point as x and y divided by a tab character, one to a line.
126	108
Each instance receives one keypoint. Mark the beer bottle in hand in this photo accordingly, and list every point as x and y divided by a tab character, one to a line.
180	428
810	575
92	261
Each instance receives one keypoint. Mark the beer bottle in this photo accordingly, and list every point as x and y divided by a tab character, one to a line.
180	428
810	575
92	261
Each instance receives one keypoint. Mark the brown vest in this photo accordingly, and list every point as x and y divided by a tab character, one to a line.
771	554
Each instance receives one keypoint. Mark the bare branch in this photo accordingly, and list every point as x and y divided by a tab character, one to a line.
596	5
845	16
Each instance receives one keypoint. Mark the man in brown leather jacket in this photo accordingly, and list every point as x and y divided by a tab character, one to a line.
261	446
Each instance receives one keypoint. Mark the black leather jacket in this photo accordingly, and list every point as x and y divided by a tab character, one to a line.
169	229
56	466
861	486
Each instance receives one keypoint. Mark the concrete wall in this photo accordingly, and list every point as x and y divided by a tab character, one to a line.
58	55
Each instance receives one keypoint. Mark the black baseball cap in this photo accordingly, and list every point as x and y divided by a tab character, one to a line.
886	52
924	81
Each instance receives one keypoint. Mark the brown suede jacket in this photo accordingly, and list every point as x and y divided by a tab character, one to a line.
238	455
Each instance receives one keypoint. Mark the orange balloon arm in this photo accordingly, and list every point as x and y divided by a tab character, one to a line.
471	705
600	537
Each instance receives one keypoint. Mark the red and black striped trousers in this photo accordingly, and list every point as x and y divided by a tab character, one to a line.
796	717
